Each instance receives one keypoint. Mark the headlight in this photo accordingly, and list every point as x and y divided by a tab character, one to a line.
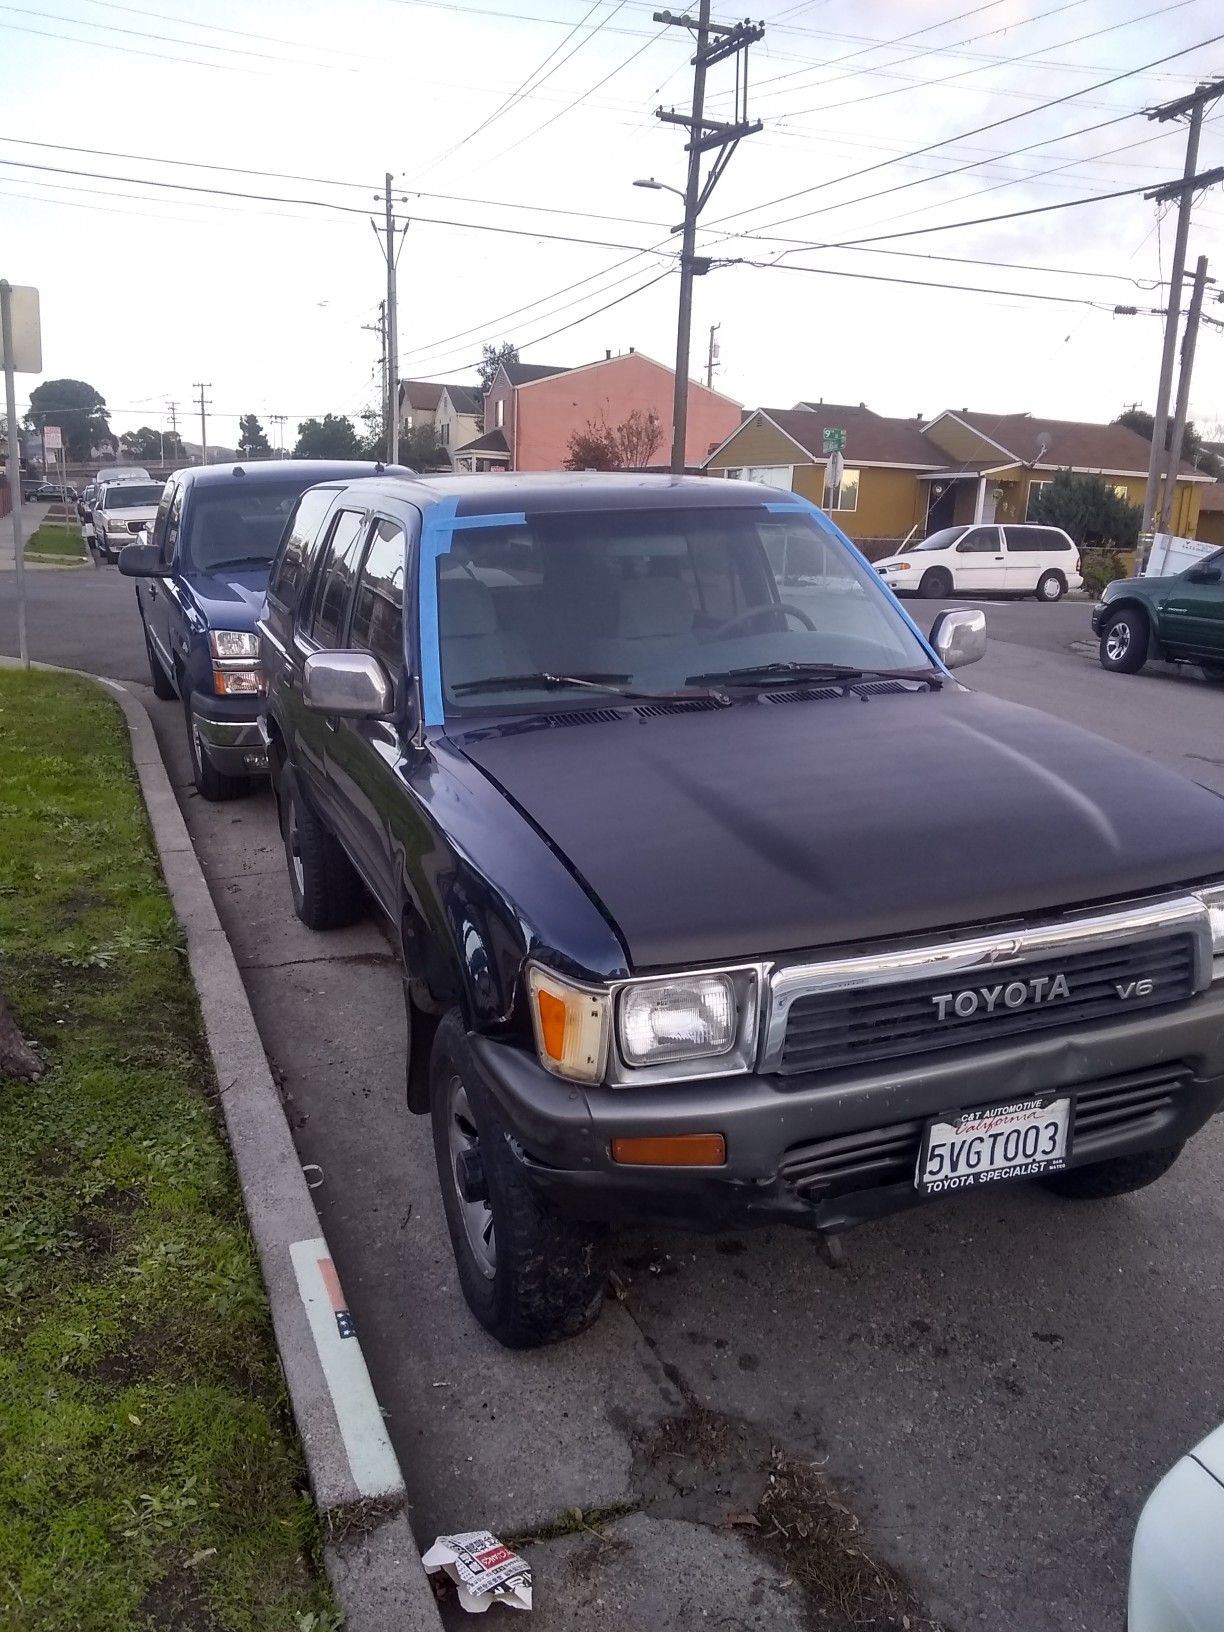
570	1024
900	566
225	643
1213	900
689	1019
238	682
116	524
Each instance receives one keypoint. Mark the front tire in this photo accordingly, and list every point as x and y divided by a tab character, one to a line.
323	882
1124	642
529	1276
1051	587
936	584
1098	1181
210	783
1213	672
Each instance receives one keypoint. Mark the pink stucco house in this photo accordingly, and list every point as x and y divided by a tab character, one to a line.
531	410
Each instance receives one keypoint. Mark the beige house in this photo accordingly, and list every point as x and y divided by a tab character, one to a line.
457	418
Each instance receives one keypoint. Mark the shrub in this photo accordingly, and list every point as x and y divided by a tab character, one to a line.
1100	567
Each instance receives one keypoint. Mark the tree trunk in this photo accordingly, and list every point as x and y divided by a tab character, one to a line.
17	1058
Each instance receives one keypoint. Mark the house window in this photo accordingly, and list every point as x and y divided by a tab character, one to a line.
770	475
1120	491
1034	489
844	497
501	412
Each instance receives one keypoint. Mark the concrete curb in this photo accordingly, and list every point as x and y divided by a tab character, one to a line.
370	1553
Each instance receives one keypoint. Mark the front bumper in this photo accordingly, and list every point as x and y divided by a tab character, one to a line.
835	1149
230	734
1099	613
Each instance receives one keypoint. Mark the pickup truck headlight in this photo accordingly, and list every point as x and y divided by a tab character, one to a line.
687	1019
116	524
230	643
1213	900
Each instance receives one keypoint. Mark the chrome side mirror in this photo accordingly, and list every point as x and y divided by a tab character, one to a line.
959	637
351	684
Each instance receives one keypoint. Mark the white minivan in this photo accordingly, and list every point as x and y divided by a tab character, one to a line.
1015	559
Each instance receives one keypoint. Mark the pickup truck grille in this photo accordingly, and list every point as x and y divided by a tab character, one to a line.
881	1156
833	1030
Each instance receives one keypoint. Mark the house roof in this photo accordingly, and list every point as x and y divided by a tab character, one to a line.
838	407
490	442
1212	498
1066	443
525	373
465	399
422	394
870	438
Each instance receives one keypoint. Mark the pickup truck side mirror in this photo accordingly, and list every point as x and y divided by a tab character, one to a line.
1203	575
353	685
959	637
140	561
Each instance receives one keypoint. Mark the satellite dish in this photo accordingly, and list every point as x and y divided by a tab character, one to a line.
1044	441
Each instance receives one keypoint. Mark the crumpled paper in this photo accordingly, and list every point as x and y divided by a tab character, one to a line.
483	1570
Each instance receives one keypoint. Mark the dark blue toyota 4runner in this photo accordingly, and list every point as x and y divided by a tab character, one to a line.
637	770
201	588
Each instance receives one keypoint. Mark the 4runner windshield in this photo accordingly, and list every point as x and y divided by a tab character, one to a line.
239	525
133	496
656	601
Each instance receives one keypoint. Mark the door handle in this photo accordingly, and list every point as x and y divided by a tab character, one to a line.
152	592
329	723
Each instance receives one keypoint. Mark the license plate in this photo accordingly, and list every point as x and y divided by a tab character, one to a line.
1013	1141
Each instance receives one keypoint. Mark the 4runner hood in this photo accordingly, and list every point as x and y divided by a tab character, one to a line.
771	827
230	599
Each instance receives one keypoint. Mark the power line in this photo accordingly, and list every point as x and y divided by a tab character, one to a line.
166	39
217	28
132	50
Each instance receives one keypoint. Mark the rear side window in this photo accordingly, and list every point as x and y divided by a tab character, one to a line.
292	566
378	603
337	570
1034	538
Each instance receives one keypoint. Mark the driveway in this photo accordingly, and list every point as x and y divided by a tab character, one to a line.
992	1385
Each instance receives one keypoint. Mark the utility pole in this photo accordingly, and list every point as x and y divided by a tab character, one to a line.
1193	314
380	329
712	355
730	40
201	386
387	239
1183	191
279	420
8	359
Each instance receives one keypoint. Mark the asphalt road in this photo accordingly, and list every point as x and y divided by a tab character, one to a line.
993	1384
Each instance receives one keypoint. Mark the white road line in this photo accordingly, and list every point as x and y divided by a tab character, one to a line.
371	1458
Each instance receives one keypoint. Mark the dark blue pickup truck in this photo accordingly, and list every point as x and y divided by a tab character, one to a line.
201	588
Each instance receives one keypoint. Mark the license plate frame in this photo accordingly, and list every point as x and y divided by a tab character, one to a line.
952	1132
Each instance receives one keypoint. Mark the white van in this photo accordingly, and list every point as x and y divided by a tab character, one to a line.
1016	559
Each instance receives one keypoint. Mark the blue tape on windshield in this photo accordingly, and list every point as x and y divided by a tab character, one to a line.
799	503
438	528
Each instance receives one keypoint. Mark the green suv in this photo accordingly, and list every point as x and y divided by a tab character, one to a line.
1180	619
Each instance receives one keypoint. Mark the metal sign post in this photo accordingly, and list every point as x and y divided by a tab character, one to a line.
833	446
22	349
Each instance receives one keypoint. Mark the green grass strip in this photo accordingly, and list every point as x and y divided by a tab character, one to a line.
149	1473
54	541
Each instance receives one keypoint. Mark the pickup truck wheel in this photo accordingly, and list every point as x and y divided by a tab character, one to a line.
529	1276
1097	1181
162	685
1051	586
1124	642
323	882
1213	671
935	584
209	781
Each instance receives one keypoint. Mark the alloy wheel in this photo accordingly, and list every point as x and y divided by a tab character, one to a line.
1117	641
462	1136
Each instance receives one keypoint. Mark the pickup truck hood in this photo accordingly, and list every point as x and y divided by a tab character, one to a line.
765	828
230	599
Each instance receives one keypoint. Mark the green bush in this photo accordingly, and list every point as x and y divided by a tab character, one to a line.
1100	567
1088	508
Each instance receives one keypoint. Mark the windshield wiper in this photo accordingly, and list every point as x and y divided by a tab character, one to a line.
542	680
768	674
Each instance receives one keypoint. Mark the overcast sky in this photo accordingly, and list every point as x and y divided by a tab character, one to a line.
146	289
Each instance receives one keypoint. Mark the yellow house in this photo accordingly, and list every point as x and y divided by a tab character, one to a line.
909	477
1211	515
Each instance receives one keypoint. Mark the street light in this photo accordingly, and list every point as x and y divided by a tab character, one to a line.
659	187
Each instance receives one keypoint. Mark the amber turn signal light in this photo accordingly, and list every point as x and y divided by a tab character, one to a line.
672	1150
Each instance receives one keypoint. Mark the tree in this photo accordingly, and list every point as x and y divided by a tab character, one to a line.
252	443
491	359
1088	508
331	437
77	408
1193	450
627	446
420	448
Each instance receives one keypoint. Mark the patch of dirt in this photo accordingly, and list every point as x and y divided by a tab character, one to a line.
359	1518
177	1603
76	905
711	1469
96	1235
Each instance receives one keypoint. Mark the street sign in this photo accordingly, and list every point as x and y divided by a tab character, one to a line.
27	332
53	439
833	440
834	471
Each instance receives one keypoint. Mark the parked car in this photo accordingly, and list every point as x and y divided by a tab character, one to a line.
121	512
53	492
642	822
1179	619
201	585
1013	559
85	503
1177	1562
122	473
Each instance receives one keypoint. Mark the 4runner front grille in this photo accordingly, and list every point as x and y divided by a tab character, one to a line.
835	1029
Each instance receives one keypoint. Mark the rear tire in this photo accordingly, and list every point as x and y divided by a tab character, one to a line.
1098	1181
529	1276
210	783
1213	672
162	685
936	584
1051	587
1124	642
323	882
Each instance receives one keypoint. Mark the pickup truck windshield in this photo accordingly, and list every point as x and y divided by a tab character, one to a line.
235	526
132	496
651	598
